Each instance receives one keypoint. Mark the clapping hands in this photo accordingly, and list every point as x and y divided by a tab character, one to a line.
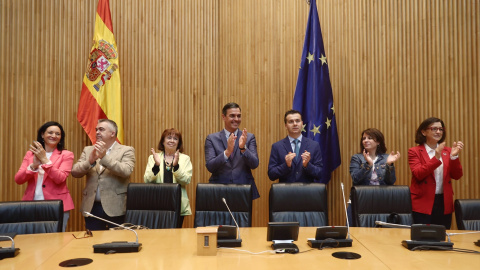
393	157
456	148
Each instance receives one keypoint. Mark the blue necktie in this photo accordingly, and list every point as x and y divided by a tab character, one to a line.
297	149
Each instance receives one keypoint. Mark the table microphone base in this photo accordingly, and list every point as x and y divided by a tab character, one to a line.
8	252
117	247
229	242
410	244
330	243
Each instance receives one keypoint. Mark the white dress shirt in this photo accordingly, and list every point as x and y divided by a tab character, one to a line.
438	171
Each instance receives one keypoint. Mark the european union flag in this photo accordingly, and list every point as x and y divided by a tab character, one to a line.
314	97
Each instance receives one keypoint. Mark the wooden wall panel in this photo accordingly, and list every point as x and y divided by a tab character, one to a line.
392	64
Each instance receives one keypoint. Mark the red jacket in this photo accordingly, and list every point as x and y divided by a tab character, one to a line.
54	179
423	184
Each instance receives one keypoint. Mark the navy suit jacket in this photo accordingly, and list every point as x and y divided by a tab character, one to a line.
278	169
238	168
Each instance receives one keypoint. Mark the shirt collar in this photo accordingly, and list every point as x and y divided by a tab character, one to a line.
291	138
110	149
227	133
428	148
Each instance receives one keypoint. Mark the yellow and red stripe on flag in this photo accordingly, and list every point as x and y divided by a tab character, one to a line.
101	95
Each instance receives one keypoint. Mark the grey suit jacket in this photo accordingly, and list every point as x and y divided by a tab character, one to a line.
238	168
113	179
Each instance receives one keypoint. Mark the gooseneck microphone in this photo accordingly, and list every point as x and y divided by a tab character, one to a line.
452	234
226	236
345	206
348	242
335	237
238	227
119	246
8	252
391	225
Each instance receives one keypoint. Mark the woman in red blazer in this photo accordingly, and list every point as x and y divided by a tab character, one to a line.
433	165
46	167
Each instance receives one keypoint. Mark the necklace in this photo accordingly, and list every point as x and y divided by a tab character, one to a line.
168	165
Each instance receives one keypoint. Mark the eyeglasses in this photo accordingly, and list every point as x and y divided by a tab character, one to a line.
87	234
130	226
435	129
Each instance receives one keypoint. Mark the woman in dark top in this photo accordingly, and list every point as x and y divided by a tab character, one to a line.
170	165
372	166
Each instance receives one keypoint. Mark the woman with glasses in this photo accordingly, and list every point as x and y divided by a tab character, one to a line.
433	165
171	166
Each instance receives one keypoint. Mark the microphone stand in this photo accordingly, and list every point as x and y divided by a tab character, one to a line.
8	252
334	243
230	242
119	246
345	206
346	255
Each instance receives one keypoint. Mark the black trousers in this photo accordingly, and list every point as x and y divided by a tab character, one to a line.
94	224
437	217
180	222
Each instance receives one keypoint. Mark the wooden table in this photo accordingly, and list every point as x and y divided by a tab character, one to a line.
176	249
387	247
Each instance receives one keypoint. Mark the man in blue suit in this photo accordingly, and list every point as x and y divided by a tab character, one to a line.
231	154
295	158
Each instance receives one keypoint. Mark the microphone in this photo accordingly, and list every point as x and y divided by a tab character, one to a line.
222	242
8	252
452	234
116	246
334	236
391	225
345	206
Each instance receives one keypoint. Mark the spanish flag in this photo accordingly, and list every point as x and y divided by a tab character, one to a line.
101	96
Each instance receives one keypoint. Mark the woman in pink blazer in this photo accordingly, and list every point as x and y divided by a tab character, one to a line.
45	168
433	167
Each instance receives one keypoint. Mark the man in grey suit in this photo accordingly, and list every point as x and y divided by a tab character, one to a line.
108	166
231	154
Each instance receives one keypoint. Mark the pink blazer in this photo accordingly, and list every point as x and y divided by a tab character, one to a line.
54	179
423	184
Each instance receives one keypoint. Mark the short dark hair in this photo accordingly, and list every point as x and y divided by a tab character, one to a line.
291	112
43	128
171	131
377	136
112	123
420	139
231	105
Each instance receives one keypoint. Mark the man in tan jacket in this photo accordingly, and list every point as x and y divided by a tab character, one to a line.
107	165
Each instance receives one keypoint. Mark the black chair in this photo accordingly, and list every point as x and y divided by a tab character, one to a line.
305	203
467	214
155	206
211	210
390	204
30	217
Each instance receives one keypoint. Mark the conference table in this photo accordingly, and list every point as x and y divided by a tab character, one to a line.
380	248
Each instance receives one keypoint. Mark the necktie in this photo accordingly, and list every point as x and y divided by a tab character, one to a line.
297	149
